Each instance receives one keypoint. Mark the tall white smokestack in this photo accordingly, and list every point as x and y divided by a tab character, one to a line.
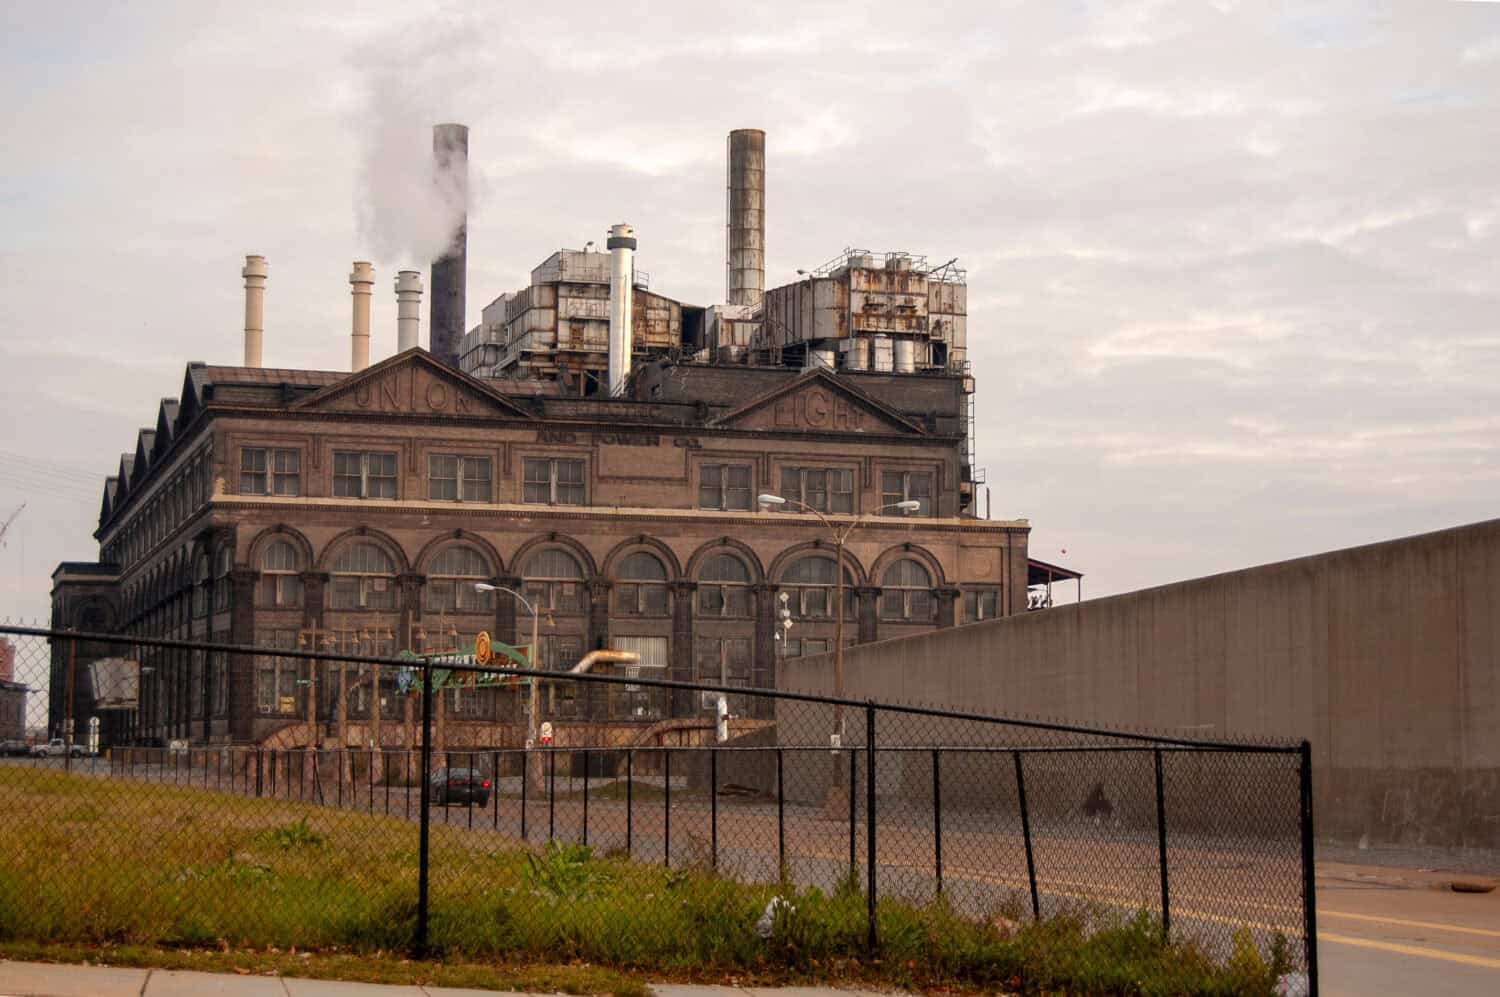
621	281
255	307
408	309
361	286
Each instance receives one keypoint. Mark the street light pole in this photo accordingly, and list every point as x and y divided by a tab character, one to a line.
839	537
535	699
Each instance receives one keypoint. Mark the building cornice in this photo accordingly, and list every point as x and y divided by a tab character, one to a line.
596	513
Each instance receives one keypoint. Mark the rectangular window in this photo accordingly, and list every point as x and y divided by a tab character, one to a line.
286	472
723	661
640	702
907	486
826	489
724	486
270	472
982	604
360	474
558	653
252	471
552	481
451	478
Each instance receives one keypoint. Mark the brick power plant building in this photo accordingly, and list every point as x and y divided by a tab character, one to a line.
592	444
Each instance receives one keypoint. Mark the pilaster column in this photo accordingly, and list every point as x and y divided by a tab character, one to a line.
593	695
314	585
684	606
240	699
763	673
946	599
869	613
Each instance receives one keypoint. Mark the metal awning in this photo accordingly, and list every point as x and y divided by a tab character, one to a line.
1041	572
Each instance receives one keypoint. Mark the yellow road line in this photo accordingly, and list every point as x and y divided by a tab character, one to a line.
1417	950
1435	926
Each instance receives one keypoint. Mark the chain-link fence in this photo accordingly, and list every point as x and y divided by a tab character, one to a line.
699	823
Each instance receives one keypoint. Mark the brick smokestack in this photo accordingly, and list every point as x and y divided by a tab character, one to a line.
450	155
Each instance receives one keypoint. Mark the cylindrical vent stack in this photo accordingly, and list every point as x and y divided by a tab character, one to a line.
450	156
361	286
255	307
622	264
408	309
746	252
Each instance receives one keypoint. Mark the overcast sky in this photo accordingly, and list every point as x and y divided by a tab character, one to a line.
1233	268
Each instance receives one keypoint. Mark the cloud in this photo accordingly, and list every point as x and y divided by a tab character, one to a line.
1233	271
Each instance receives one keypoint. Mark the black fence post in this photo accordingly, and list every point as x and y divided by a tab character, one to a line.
525	778
853	792
338	762
1036	902
1309	882
713	808
666	809
585	798
873	940
781	818
1161	847
420	942
551	793
259	771
495	784
629	802
937	820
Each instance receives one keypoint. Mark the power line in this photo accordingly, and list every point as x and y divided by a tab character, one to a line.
60	470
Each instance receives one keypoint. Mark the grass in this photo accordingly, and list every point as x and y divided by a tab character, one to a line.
157	873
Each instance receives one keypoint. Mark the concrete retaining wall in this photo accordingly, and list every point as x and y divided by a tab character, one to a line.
1385	657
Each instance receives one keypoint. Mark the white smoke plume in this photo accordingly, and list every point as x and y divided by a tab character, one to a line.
404	210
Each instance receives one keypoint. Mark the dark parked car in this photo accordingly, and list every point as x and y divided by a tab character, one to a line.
15	748
449	786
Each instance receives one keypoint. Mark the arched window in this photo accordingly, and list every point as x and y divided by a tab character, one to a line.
554	581
363	577
724	587
280	585
641	586
450	582
907	592
811	584
200	585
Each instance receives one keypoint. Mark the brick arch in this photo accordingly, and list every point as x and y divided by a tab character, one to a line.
825	548
384	540
280	531
459	537
646	543
578	550
914	552
726	545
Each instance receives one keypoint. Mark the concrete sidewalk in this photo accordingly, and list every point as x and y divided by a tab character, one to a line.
37	979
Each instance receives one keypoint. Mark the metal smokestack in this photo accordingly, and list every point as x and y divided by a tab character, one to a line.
450	155
361	286
746	251
621	247
408	309
255	307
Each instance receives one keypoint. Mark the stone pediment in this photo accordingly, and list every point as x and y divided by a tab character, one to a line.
818	402
412	383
